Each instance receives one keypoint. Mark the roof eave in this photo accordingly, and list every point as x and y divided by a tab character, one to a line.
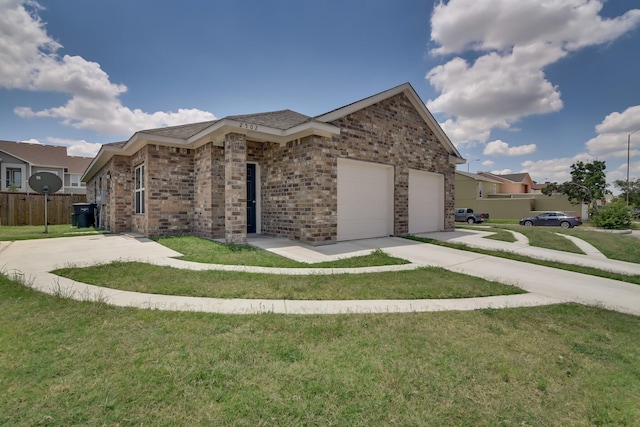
102	158
217	131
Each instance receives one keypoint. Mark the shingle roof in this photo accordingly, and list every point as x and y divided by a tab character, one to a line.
515	177
78	164
181	131
283	119
45	155
478	177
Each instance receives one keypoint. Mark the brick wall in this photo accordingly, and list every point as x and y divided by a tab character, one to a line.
111	189
208	215
235	167
299	191
169	190
392	132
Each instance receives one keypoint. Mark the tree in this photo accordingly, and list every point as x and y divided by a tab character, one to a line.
634	190
588	183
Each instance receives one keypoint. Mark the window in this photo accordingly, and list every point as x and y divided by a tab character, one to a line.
139	182
13	178
75	180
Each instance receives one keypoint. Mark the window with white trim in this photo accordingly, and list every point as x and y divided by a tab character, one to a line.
75	180
139	190
13	178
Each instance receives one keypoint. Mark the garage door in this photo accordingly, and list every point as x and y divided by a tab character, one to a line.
426	201
365	200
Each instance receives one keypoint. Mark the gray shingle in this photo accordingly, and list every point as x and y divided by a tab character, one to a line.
181	131
283	119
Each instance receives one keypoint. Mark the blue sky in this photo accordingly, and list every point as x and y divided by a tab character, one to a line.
527	86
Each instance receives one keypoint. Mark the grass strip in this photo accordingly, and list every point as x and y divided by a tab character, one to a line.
66	362
206	251
422	283
29	232
635	279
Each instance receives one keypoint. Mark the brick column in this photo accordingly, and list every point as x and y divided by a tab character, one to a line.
401	205
235	198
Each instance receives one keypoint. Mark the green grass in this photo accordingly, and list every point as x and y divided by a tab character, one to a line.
546	237
635	279
421	283
27	232
501	235
622	247
210	252
66	363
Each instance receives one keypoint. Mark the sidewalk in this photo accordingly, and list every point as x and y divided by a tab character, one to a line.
35	258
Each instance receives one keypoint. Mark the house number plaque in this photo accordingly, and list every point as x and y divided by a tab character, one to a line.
248	126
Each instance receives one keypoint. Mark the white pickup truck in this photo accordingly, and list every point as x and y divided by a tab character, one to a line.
467	215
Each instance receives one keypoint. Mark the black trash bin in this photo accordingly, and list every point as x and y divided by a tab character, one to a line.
83	214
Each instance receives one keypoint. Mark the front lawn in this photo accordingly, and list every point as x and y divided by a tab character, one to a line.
65	362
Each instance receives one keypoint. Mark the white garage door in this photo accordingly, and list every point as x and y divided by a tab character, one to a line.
365	200
426	201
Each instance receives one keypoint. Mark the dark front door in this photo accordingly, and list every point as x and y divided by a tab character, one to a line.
251	198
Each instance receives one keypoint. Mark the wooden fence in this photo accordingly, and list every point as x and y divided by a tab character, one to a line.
28	209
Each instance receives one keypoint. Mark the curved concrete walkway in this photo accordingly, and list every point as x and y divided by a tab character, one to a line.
33	260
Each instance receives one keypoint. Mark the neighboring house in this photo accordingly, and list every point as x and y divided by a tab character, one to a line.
510	196
377	167
472	185
515	183
537	188
20	160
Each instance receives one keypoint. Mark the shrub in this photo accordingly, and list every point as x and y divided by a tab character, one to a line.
614	216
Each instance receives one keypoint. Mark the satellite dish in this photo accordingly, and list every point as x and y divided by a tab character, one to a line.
45	182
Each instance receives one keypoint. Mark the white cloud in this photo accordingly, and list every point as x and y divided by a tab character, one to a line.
501	148
486	25
488	163
553	170
32	141
28	61
76	147
516	41
501	171
613	134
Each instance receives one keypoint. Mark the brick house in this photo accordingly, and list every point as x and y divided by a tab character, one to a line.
380	166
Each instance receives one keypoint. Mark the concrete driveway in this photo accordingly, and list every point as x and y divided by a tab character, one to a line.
33	260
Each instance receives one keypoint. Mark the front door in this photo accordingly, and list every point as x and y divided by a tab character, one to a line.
251	198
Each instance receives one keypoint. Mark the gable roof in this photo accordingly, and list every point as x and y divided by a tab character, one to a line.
177	132
516	177
275	126
45	155
478	177
513	177
283	119
417	103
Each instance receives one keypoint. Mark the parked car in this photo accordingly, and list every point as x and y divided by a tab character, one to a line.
552	219
467	215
